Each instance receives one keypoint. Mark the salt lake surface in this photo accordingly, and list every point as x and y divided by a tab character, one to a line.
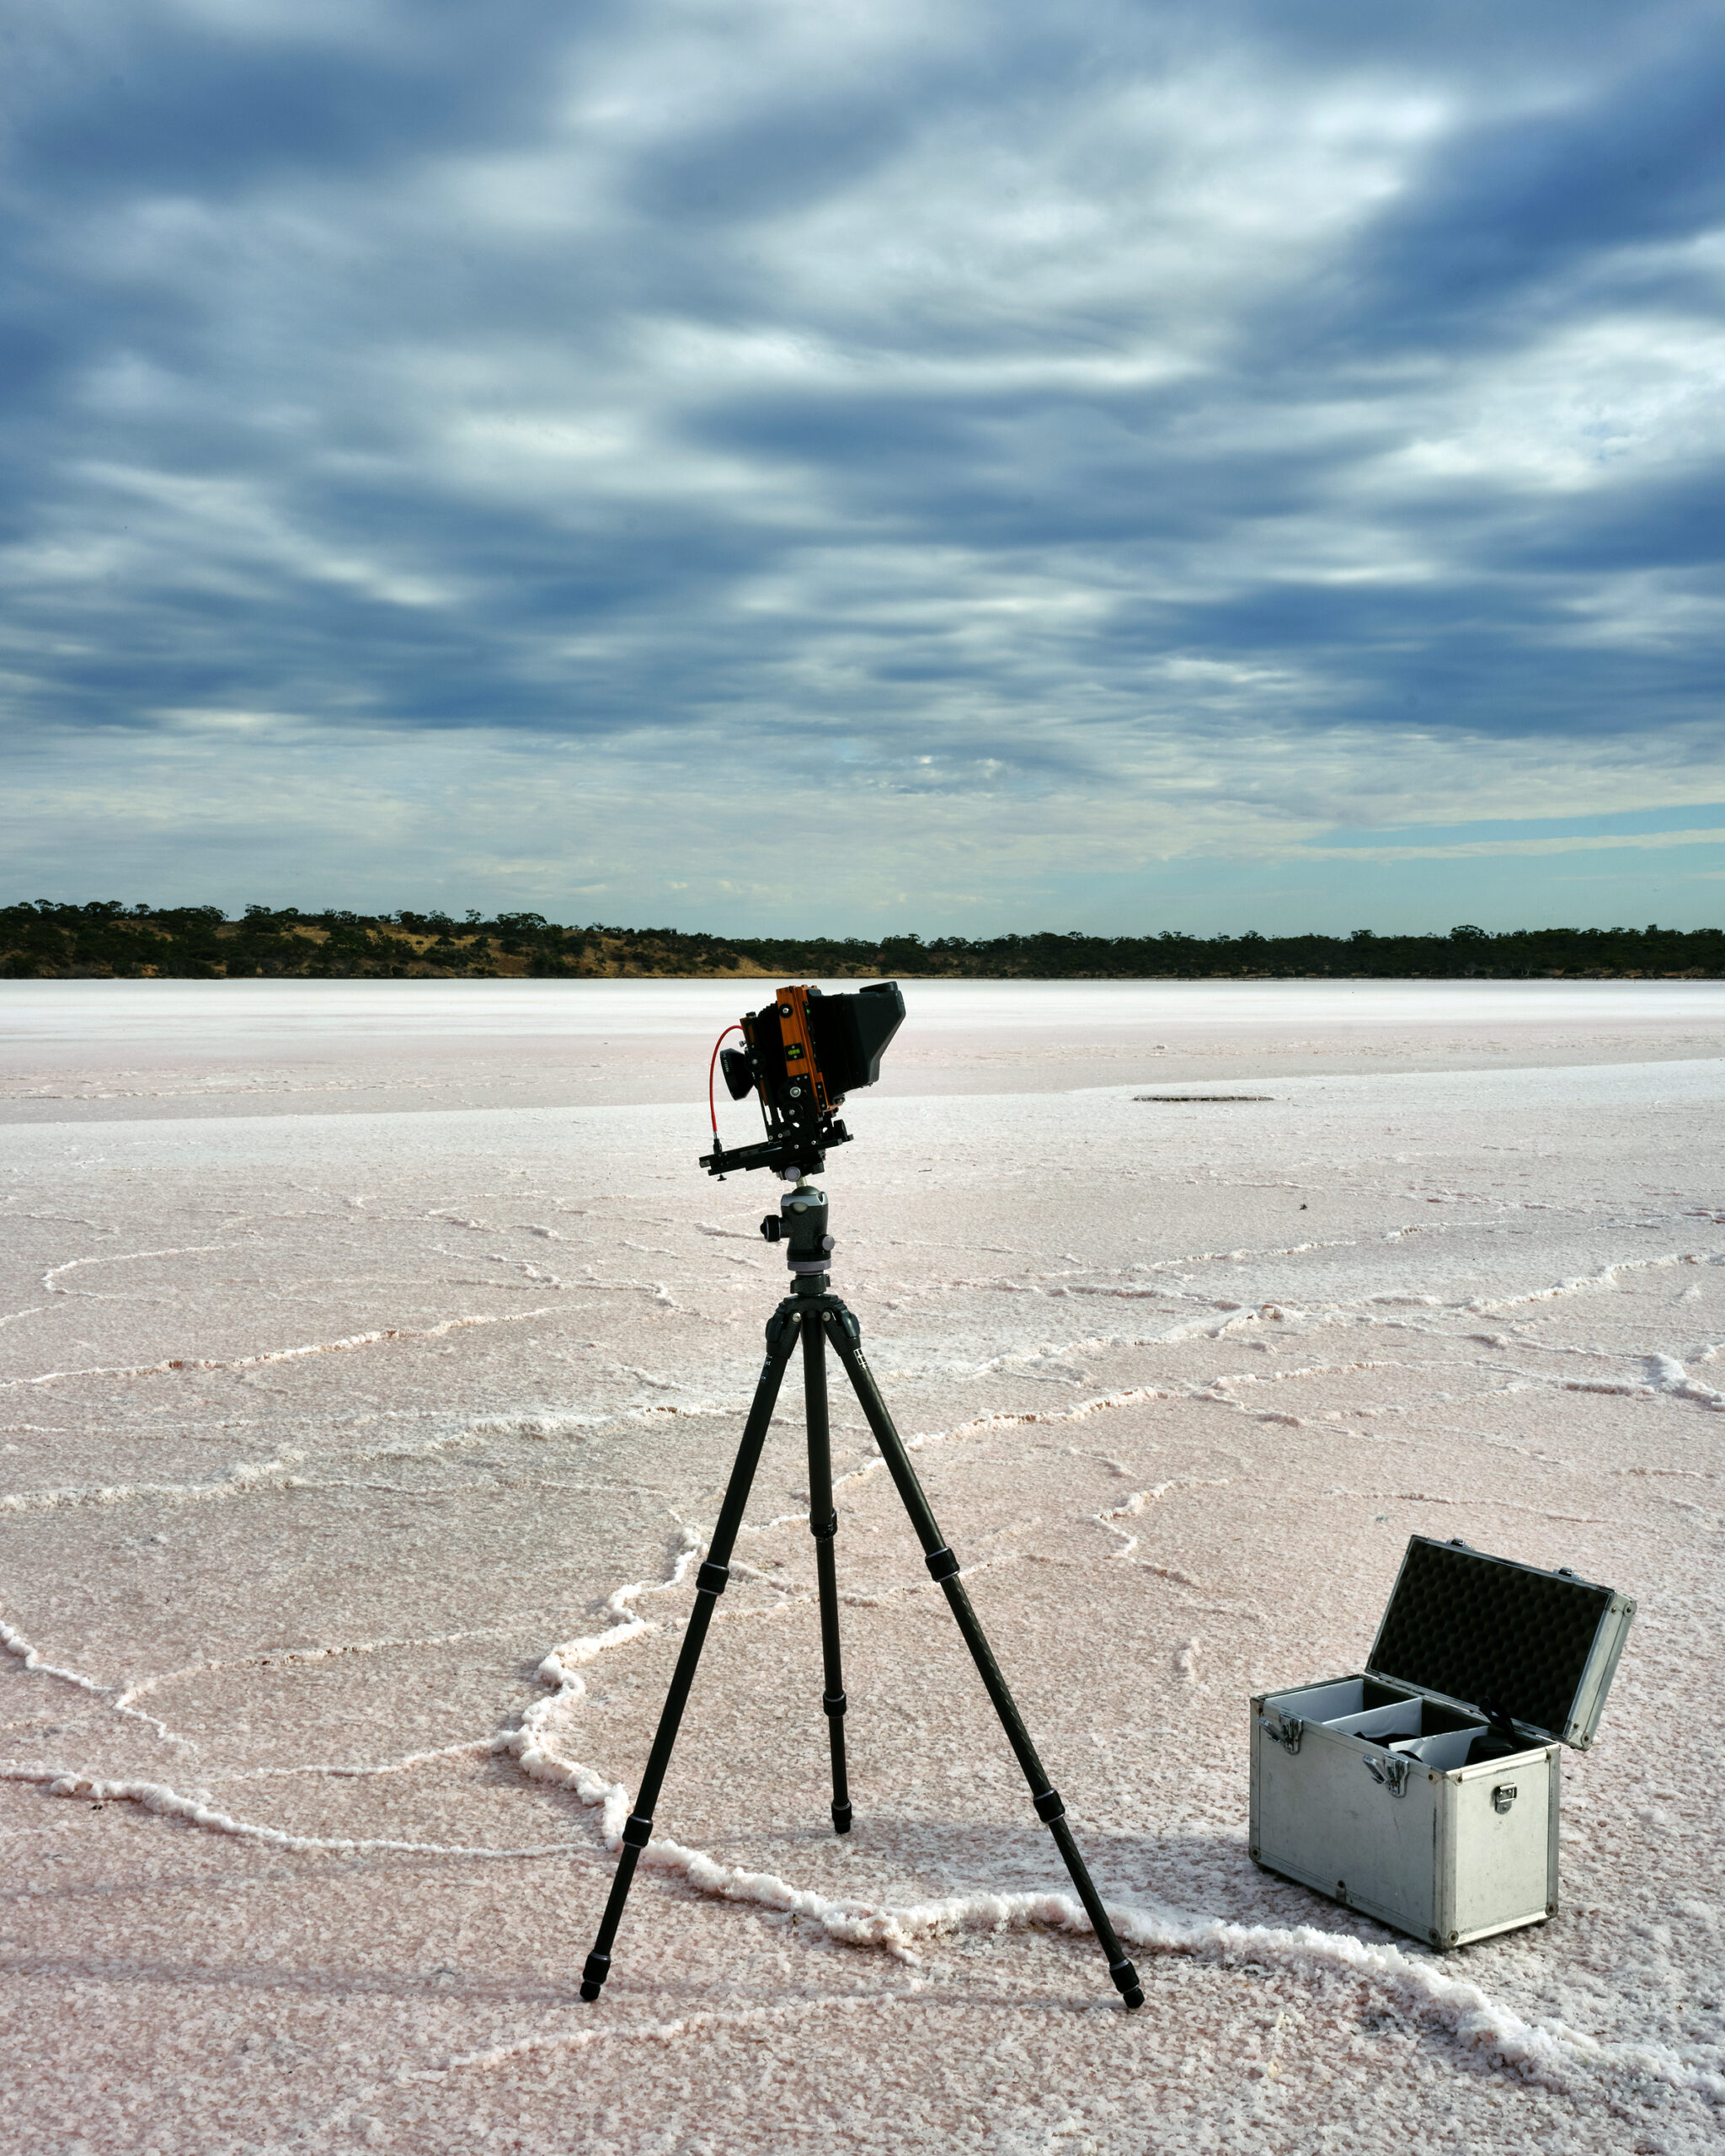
373	1358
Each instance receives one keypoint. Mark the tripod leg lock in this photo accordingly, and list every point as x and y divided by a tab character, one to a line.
833	1704
1049	1807
638	1831
943	1565
711	1579
823	1530
1126	1983
776	1328
593	1976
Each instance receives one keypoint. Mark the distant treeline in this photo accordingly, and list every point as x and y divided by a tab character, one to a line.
107	939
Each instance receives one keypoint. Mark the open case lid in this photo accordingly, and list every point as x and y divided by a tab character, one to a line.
1538	1648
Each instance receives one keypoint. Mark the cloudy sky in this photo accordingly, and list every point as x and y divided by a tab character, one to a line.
851	466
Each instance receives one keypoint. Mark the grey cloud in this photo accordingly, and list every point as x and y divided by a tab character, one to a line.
1508	216
1022	399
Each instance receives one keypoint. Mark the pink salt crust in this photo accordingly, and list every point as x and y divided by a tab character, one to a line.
371	1371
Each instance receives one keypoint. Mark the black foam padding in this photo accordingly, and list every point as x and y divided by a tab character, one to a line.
1480	1629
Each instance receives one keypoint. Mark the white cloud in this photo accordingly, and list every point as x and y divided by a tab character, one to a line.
1052	447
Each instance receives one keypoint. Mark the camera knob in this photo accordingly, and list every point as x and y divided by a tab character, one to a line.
772	1227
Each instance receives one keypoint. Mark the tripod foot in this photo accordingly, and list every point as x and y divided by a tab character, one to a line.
593	1976
841	1818
1126	1983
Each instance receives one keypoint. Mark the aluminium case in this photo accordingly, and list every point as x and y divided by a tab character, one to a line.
1424	1790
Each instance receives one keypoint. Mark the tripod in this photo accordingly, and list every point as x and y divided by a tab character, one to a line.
809	1313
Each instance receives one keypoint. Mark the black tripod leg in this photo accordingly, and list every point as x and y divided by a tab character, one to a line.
844	1333
709	1584
824	1524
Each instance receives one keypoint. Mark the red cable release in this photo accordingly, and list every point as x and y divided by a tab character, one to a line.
712	1102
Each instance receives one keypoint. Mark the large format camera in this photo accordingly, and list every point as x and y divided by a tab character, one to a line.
803	1052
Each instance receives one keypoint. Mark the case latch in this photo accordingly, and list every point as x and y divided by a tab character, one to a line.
1502	1796
1392	1772
1287	1730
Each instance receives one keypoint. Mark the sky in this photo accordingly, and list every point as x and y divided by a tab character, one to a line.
864	468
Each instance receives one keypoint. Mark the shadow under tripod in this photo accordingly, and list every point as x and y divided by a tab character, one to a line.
813	1316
